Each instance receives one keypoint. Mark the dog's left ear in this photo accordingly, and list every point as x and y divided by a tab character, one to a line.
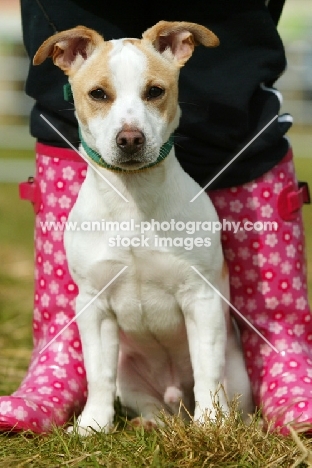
178	39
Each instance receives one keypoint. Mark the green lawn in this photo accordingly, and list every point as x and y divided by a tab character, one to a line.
304	173
16	286
12	153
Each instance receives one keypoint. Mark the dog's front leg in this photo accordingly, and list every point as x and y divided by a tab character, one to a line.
206	331
99	336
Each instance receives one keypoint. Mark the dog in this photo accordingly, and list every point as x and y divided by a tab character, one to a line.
158	334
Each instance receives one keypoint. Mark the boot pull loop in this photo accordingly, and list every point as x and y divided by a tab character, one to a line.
291	199
30	191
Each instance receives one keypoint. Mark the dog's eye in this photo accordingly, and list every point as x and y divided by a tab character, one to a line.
154	92
98	94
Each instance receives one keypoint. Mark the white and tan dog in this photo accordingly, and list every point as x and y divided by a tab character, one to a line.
159	333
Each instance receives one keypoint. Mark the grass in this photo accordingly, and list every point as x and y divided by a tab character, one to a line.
16	286
226	444
304	173
11	153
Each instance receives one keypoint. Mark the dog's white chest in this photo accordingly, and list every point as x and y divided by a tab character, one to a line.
146	301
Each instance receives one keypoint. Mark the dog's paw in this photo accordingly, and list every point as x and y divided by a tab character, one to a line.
87	425
211	412
202	416
139	422
86	431
82	431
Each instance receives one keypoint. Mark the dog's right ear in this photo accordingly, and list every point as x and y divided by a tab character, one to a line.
69	49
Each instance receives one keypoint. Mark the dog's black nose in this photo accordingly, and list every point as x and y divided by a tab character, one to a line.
130	140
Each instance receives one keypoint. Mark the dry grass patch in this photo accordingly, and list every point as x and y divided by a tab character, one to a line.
227	442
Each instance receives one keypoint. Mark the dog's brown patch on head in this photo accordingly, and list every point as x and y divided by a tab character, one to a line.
162	74
94	75
83	55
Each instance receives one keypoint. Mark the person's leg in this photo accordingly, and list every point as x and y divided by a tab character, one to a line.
268	286
55	385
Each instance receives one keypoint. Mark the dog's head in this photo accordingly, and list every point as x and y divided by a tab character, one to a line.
126	90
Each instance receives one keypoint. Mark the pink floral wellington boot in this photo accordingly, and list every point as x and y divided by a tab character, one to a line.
55	385
268	287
